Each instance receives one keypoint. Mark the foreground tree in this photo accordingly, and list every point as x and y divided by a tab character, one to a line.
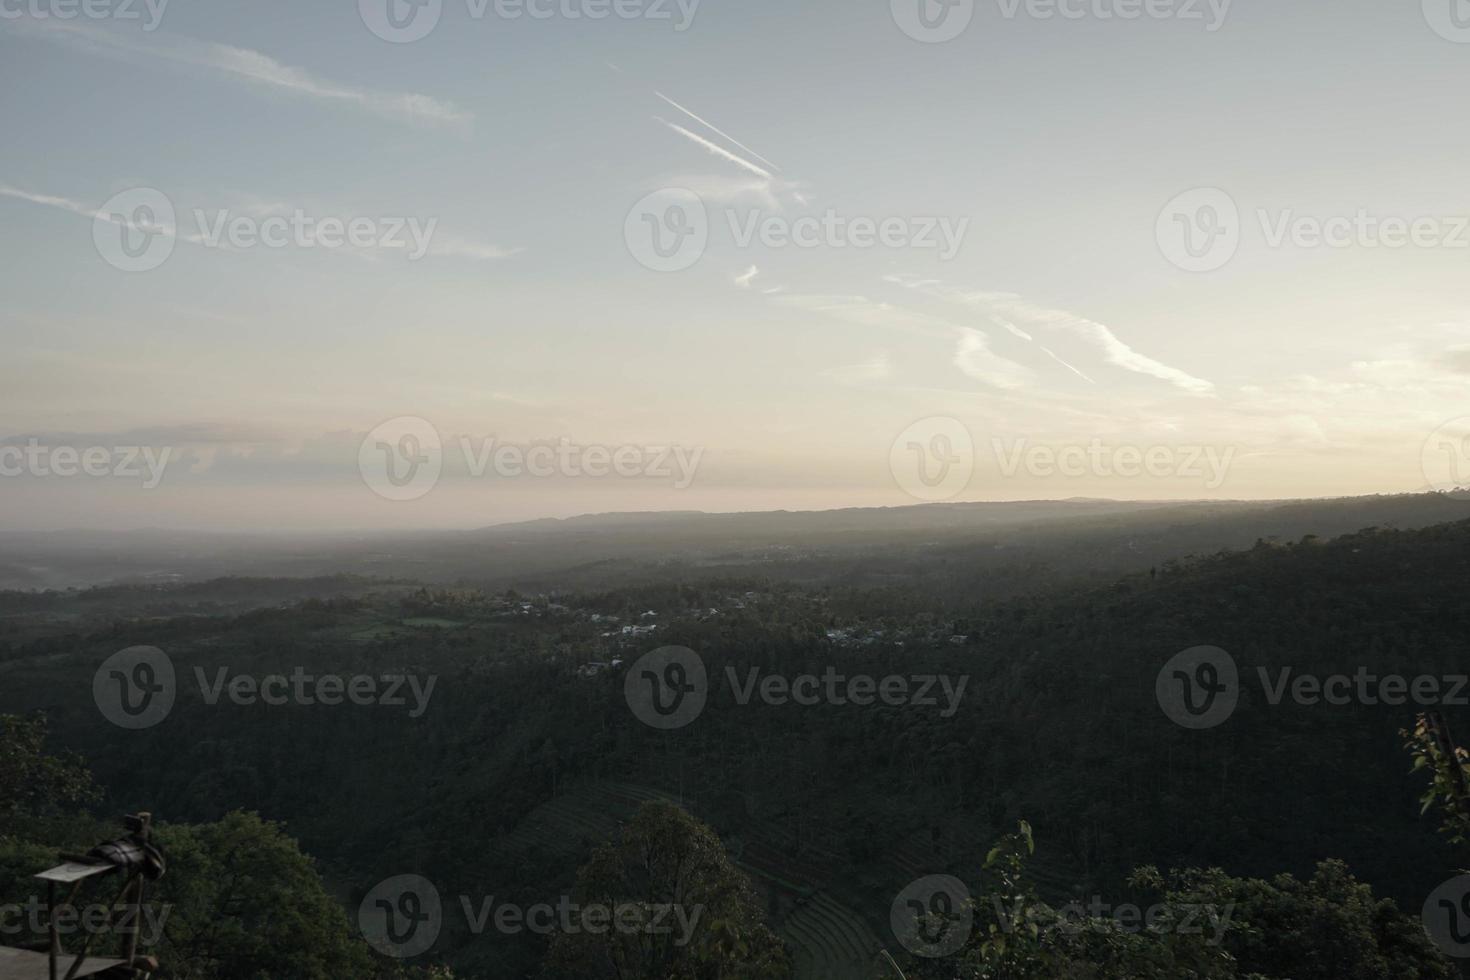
33	784
1203	925
246	903
687	913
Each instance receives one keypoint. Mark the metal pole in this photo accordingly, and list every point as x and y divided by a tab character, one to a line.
52	927
144	835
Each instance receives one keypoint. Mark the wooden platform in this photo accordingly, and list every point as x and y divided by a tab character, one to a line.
22	964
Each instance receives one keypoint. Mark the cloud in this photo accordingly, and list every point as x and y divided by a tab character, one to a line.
728	189
437	244
973	355
975	358
51	201
1119	354
74	207
254	68
1007	310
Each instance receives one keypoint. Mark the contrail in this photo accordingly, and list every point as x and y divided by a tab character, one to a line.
705	122
716	149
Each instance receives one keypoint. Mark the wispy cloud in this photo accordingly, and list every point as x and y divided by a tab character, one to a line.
1115	351
437	243
75	207
973	355
1010	311
975	359
48	200
251	67
731	189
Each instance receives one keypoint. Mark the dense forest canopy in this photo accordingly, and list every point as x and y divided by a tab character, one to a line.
483	740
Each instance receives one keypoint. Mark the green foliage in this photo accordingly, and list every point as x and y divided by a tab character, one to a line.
32	783
1329	927
1449	771
666	857
1059	722
246	904
1202	925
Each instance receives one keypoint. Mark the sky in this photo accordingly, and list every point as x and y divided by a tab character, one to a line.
361	264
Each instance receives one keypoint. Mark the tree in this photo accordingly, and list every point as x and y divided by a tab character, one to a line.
1434	749
667	859
245	903
1203	925
32	783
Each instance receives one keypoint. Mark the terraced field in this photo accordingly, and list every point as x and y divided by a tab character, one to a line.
830	941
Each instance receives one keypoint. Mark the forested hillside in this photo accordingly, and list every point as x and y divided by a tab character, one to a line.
505	763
